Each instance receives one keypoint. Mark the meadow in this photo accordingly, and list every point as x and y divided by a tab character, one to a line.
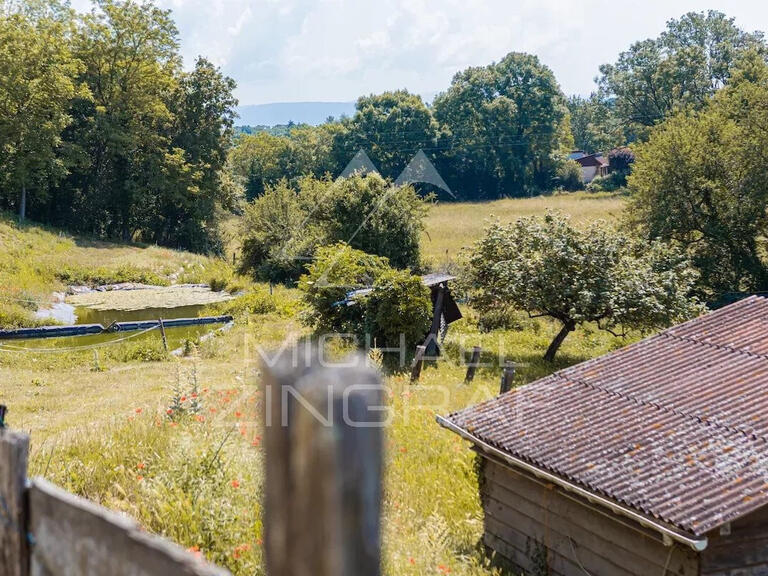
452	226
176	442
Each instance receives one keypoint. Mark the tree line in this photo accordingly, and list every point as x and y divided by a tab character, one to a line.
506	129
102	132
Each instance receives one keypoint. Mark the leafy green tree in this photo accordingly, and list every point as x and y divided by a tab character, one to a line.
37	82
683	67
283	228
547	267
700	181
503	123
391	127
132	66
370	214
594	127
261	160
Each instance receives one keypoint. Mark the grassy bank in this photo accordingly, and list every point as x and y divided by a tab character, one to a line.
36	261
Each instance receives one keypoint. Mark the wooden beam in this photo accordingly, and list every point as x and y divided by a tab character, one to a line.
474	362
418	362
507	377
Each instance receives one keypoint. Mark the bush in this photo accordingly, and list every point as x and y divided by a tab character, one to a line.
614	181
336	271
398	303
569	176
283	228
278	236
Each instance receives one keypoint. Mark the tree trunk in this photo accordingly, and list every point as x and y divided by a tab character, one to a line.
567	328
23	205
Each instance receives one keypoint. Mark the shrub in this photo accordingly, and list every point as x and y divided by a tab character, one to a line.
372	215
283	228
398	303
614	181
569	176
336	271
278	236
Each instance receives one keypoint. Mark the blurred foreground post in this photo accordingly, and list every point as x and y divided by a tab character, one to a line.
323	439
14	448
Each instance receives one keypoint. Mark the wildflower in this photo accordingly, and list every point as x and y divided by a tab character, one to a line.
403	450
235	484
169	411
205	390
238	414
141	466
193	395
200	418
139	478
411	560
212	410
195	550
139	410
443	568
183	399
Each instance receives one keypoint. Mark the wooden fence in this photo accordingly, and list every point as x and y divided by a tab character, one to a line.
322	493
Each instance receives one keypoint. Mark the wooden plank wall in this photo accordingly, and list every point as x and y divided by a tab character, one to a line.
522	513
743	552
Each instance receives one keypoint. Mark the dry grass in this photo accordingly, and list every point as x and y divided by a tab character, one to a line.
162	297
453	226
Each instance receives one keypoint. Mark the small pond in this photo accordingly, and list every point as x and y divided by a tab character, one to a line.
70	312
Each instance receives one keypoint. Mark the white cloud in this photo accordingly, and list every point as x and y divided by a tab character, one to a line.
282	50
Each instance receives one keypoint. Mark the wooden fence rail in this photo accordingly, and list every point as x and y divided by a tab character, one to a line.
322	494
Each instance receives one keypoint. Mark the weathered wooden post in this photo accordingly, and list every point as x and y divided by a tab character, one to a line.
507	376
474	362
14	450
323	442
418	362
437	314
162	333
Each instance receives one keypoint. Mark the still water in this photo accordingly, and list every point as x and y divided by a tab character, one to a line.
82	315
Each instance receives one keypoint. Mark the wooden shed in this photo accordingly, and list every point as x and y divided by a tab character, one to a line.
651	460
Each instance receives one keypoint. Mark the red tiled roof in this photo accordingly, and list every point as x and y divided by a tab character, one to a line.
674	426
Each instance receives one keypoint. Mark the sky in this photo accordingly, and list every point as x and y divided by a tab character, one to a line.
337	50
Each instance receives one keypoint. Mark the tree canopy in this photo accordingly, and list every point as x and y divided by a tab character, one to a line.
103	128
700	181
548	267
503	123
683	67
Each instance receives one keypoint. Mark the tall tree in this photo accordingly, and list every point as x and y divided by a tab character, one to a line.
37	82
594	127
504	122
681	68
391	127
700	181
132	65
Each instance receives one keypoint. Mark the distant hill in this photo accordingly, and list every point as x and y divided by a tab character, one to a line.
297	112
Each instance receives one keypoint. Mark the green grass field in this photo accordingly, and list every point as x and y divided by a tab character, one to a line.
450	227
104	432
